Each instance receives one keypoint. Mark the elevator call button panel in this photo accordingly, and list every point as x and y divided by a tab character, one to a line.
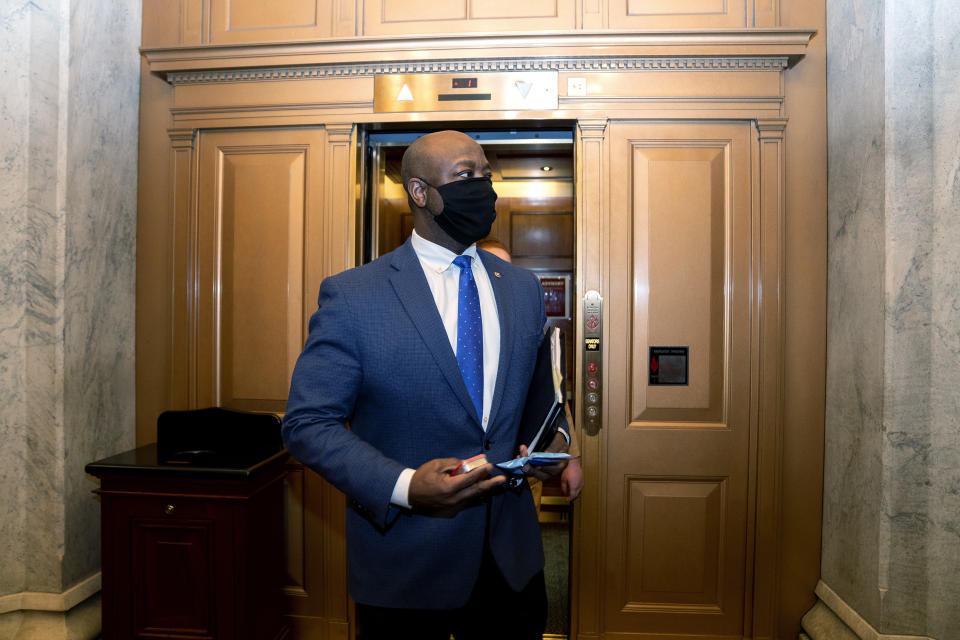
593	361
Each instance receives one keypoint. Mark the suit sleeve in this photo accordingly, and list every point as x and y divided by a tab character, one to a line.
574	449
323	392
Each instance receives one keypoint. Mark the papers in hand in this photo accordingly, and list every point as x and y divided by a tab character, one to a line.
543	412
538	459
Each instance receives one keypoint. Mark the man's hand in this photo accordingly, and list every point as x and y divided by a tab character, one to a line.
432	486
558	444
571	482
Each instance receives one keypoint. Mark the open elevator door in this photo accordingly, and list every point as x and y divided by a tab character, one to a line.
533	175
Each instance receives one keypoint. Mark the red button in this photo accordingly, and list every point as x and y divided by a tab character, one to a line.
592	367
592	383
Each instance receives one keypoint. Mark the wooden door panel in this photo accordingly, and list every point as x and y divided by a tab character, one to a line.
542	234
680	14
393	11
677	457
175	580
255	14
248	21
674	535
254	194
261	271
513	9
679	223
401	17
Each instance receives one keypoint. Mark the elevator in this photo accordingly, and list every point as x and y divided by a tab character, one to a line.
672	231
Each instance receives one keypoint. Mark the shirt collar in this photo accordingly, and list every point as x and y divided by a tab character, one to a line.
435	257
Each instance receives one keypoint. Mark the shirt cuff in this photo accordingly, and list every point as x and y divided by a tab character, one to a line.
401	490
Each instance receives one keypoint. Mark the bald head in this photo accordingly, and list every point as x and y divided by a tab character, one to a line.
429	155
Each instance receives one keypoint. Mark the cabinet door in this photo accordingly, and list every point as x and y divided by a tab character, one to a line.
172	568
238	21
403	17
684	14
675	504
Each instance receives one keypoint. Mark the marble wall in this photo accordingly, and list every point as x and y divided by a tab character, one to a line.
891	533
68	181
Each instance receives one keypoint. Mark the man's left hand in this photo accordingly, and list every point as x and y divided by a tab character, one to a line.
558	444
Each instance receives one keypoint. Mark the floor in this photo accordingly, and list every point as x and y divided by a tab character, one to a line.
556	549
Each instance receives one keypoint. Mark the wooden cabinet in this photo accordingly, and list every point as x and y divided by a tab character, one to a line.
190	554
402	17
213	22
197	22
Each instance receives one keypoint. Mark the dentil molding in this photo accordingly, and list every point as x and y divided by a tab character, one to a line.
479	65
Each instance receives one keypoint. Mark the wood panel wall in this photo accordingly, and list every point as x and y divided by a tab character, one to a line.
169	23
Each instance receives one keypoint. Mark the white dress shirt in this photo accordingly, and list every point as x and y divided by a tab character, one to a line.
443	277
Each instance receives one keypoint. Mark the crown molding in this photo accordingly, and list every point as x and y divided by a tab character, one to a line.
312	72
750	49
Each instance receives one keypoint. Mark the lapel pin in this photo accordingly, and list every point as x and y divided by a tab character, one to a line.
496	273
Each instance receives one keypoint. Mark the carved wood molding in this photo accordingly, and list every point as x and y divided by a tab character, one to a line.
771	128
740	49
479	65
181	138
771	200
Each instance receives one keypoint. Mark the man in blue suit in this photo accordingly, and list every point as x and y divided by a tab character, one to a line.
415	362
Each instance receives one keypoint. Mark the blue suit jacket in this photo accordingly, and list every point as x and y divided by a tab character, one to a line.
378	358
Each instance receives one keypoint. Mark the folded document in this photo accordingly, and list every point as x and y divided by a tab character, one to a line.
537	459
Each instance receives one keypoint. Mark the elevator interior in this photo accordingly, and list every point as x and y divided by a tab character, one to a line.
533	175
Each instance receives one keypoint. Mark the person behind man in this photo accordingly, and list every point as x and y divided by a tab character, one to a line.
571	480
427	353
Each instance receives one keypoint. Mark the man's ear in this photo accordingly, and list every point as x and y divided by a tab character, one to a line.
417	192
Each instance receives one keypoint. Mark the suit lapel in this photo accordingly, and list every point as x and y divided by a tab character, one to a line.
503	293
412	289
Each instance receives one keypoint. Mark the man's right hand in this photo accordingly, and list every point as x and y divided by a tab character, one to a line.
432	486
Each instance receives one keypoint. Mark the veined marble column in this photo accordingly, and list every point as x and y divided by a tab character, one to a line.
891	522
68	181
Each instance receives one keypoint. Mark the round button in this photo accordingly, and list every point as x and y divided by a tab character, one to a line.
592	397
592	383
592	367
592	412
169	509
486	445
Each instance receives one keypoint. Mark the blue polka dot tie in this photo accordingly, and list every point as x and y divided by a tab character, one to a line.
470	334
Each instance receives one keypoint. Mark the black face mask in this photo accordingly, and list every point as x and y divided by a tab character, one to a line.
468	208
